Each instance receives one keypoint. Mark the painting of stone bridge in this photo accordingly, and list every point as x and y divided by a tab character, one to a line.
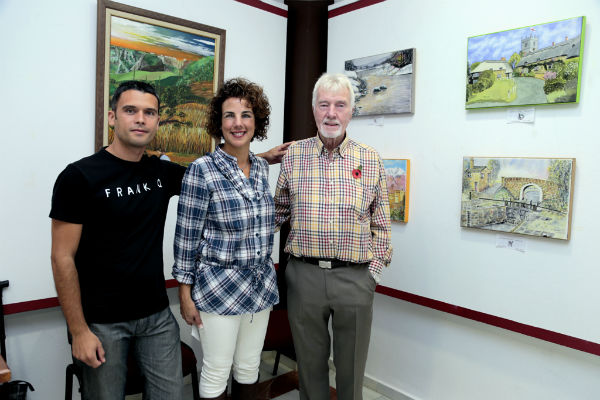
529	196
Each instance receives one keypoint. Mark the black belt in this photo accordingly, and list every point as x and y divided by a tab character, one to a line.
325	263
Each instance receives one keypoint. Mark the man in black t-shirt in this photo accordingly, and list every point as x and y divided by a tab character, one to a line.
108	214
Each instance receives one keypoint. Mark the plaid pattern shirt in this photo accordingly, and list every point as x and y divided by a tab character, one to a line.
224	236
339	208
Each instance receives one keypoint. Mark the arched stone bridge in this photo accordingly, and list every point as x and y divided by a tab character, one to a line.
518	186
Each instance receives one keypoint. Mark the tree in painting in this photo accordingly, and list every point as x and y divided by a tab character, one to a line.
533	65
181	67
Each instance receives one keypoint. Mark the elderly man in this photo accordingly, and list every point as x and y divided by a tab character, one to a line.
333	190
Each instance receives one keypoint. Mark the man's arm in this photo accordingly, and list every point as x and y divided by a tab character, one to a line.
275	155
282	197
381	229
65	239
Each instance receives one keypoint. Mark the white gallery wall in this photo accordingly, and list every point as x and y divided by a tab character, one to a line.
426	354
47	85
47	75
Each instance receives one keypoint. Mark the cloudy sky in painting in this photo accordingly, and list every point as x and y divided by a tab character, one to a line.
159	36
503	44
519	167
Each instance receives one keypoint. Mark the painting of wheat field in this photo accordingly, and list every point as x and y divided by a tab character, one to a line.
529	196
181	63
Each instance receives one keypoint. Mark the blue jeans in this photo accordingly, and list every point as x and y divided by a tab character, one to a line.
157	350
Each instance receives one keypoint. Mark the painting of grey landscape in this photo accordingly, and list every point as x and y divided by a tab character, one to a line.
529	196
383	84
537	64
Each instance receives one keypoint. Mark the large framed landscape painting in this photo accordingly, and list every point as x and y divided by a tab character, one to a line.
529	196
182	59
397	172
537	64
384	83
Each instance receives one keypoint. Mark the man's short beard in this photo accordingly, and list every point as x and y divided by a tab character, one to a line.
329	135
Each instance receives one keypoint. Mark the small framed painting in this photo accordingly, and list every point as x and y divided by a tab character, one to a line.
397	172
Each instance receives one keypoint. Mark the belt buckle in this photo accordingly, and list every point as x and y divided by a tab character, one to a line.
324	264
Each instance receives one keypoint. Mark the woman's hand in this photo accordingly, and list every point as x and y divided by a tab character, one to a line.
275	155
188	309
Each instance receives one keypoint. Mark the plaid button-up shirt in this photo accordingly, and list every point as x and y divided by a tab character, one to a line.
337	208
224	236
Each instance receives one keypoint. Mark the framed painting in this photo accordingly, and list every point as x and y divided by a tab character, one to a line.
529	196
183	60
537	64
384	83
397	173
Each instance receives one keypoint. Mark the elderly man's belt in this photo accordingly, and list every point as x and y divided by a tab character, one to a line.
325	263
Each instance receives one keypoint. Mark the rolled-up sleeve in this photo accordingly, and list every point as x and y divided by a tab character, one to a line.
282	195
381	232
191	213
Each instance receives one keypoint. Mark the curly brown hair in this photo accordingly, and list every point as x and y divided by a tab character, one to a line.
242	89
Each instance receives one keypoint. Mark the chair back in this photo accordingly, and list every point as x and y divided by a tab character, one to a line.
3	285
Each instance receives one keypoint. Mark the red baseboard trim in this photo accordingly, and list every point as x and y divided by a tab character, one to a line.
352	7
535	332
499	322
31	305
265	7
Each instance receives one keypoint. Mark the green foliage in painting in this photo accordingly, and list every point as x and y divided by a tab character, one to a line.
559	172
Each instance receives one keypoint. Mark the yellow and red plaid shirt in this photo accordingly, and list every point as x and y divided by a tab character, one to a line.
338	208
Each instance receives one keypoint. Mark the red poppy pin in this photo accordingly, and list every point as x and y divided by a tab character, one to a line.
357	172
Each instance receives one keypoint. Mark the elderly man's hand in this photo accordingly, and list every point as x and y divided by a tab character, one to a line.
275	155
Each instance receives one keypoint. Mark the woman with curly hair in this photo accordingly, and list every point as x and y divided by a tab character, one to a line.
223	243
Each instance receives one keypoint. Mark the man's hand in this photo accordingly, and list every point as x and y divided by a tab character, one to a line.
275	155
188	309
88	349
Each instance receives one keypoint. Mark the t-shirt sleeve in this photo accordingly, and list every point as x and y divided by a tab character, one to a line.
176	173
68	196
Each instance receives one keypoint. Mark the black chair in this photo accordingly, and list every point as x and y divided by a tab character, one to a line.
3	284
135	381
279	337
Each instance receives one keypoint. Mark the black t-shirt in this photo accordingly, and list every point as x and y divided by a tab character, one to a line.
122	207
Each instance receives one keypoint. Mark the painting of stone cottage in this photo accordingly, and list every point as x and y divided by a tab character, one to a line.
384	83
397	174
529	196
538	64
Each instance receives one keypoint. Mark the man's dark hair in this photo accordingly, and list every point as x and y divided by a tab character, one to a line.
140	86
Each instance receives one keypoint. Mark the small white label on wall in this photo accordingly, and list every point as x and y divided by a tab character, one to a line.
526	115
505	242
377	121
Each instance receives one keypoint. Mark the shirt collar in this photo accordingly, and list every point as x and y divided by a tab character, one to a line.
342	148
223	156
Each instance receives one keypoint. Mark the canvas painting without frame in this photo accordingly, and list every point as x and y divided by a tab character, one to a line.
529	196
383	84
537	64
397	174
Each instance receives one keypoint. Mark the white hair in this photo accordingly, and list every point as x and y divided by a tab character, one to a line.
334	83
